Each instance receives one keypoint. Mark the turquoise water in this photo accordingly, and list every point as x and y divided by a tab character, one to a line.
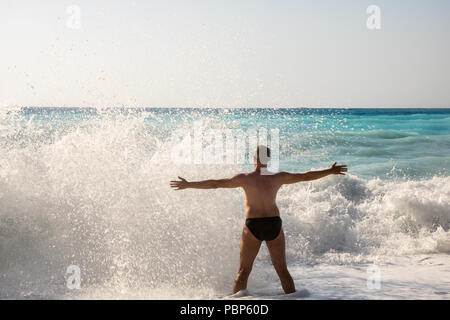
90	188
384	143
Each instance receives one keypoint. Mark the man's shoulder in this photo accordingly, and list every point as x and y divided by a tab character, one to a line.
240	176
255	175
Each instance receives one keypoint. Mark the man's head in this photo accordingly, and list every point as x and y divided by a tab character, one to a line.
261	155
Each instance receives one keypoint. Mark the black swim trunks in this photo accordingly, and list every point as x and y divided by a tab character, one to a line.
264	229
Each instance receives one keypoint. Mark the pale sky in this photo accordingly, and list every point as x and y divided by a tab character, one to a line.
224	53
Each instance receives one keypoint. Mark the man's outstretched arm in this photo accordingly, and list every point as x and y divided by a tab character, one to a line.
288	178
233	182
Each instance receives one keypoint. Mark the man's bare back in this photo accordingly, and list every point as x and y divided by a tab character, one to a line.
263	222
260	190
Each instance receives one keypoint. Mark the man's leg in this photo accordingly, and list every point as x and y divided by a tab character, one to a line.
278	256
249	250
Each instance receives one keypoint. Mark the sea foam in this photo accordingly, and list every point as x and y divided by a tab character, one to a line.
96	194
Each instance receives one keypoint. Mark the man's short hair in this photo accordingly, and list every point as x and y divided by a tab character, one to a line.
262	154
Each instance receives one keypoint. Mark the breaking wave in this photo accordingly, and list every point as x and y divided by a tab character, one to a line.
95	194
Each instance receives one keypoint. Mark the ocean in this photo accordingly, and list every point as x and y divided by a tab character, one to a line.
88	189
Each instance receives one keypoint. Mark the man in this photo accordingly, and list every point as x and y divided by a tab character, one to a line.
263	222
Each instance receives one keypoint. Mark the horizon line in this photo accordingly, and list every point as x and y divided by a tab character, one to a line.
212	107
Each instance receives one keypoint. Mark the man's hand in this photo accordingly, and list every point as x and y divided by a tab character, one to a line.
338	169
179	185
